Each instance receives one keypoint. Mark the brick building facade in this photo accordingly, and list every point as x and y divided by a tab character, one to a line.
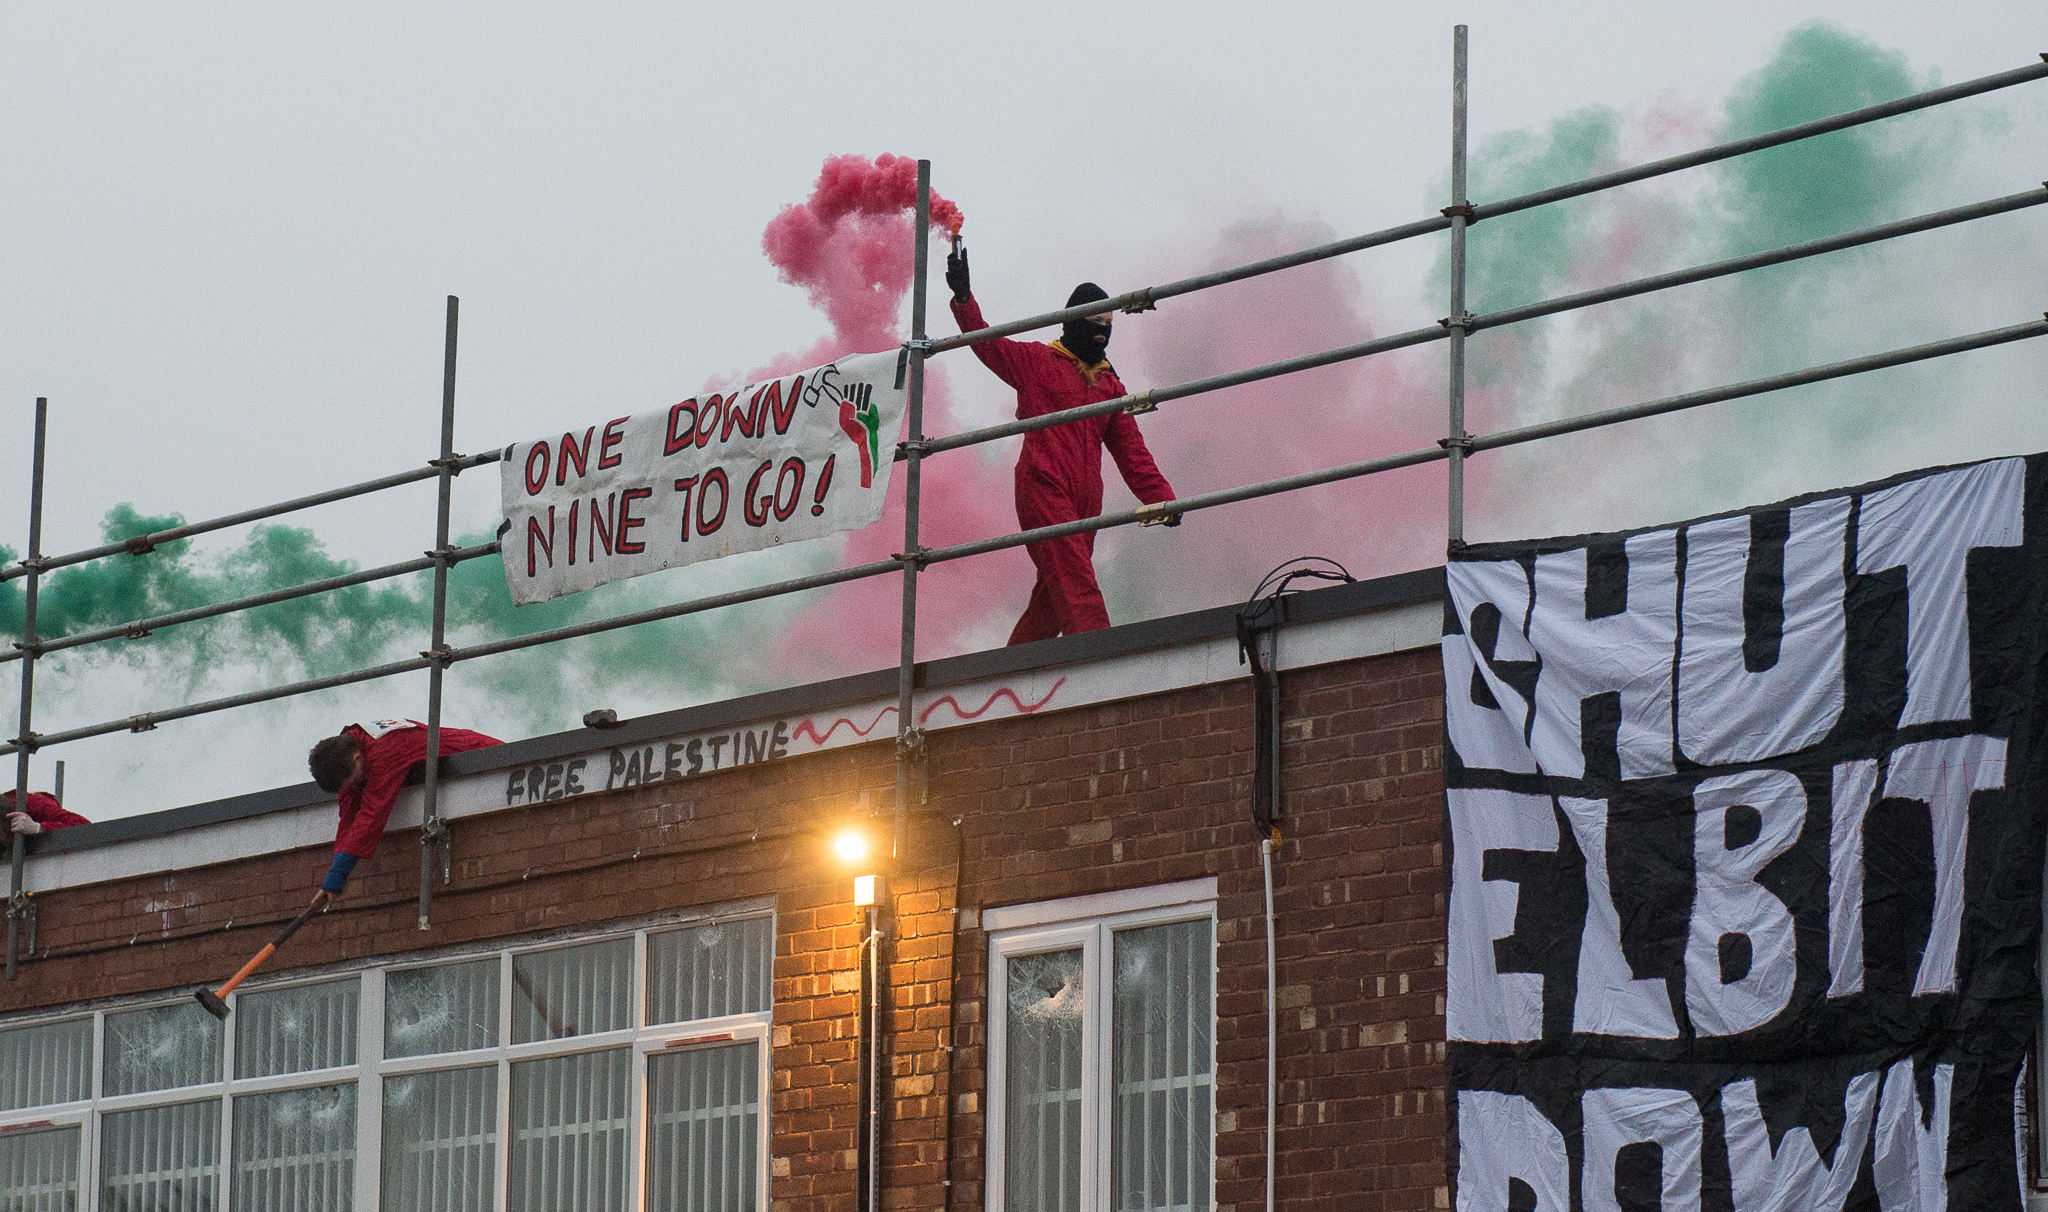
1121	808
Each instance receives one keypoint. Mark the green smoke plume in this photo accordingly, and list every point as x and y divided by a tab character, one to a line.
671	661
1759	323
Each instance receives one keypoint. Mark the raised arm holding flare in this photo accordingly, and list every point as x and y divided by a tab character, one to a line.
365	765
1059	472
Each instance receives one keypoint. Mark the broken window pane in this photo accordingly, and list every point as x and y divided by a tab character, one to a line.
1160	1060
1042	1074
161	1048
48	1063
296	1029
448	1008
710	970
441	1141
295	1150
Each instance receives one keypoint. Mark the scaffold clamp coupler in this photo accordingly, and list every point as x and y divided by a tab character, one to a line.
911	745
441	657
919	447
28	742
1141	301
915	557
1459	442
28	648
136	631
139	545
451	463
434	831
1461	210
1141	403
141	723
1156	514
1461	322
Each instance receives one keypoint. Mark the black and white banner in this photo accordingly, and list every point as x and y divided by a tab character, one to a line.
1745	847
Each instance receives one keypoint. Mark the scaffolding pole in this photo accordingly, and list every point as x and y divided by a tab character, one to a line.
143	544
25	743
1151	398
909	737
434	839
138	628
1458	321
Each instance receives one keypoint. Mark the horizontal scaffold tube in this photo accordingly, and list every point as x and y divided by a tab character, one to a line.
1208	500
1145	400
148	720
137	628
142	543
1752	387
1755	387
1144	298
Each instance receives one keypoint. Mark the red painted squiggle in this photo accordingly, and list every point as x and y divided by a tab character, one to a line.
808	729
1004	692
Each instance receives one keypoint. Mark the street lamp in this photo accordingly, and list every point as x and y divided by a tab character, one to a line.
856	853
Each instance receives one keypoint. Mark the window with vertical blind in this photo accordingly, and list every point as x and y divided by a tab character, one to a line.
1102	1052
615	1071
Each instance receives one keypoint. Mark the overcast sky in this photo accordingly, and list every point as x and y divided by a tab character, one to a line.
231	228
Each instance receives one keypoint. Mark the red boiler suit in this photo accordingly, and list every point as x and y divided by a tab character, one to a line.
43	809
1059	473
391	749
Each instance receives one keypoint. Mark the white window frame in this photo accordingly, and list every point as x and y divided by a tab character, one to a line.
641	1039
1089	922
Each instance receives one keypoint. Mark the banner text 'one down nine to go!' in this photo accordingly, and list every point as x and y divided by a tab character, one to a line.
791	458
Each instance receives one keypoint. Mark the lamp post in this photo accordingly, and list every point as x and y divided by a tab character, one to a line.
869	887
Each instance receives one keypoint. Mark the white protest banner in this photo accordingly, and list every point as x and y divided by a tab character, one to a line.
793	458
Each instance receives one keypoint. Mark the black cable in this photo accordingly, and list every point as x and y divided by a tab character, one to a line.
1260	619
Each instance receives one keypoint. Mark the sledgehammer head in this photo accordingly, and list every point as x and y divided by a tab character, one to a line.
214	1006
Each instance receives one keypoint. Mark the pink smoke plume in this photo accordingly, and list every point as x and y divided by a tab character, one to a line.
849	246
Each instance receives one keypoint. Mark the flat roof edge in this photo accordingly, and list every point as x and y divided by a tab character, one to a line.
1358	597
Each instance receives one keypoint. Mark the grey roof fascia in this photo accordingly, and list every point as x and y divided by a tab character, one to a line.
1381	593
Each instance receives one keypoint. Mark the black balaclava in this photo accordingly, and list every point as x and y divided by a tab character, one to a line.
1086	339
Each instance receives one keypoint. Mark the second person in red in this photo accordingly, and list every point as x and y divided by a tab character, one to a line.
43	814
365	765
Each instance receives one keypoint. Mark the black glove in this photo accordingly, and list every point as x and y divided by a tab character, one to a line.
956	275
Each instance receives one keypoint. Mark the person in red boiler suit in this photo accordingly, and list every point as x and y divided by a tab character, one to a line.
1059	473
43	814
365	765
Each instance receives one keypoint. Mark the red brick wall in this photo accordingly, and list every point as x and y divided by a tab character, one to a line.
1087	800
1157	789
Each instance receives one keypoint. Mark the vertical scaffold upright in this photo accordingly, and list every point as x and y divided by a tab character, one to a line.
434	839
1458	321
17	896
909	748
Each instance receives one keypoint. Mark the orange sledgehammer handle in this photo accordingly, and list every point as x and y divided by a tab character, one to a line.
255	961
216	1000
